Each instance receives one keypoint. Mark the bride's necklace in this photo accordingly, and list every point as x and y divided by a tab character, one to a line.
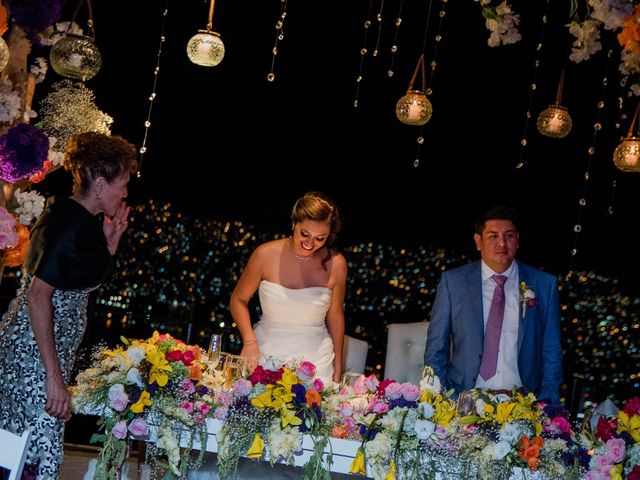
300	258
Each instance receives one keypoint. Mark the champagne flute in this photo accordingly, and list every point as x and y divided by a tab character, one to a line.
213	353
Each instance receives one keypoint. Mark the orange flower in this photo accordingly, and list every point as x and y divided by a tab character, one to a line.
4	19
629	37
340	431
530	450
195	372
313	398
14	256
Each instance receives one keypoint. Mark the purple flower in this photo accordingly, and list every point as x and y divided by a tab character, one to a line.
23	150
119	430
139	427
188	387
221	412
36	15
119	401
242	387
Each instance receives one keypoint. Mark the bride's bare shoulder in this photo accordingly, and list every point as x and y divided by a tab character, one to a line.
270	249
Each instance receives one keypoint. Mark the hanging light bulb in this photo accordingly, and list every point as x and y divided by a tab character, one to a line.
76	56
627	155
414	108
555	121
205	47
4	54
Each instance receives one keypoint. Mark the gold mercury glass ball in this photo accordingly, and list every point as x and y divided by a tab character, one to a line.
627	155
554	122
414	108
4	54
205	48
76	57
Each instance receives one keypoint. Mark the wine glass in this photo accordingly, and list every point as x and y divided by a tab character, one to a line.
215	347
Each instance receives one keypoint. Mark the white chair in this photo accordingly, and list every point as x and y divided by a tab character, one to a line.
405	351
13	452
354	354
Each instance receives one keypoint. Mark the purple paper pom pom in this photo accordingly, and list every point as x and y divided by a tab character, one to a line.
36	15
23	151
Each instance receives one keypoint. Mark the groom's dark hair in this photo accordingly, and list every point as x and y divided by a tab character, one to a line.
499	212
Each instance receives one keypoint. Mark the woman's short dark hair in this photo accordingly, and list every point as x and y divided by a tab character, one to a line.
91	155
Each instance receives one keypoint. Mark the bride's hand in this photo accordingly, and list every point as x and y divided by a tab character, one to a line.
250	351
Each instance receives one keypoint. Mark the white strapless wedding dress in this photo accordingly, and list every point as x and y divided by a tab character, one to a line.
292	326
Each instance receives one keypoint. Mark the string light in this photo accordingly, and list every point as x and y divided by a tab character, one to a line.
279	37
618	127
152	97
394	46
379	20
533	87
363	52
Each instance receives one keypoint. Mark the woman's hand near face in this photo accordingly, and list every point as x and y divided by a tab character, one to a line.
115	226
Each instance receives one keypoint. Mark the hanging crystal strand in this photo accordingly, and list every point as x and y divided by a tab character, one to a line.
394	46
279	37
432	68
532	90
379	20
582	201
152	97
618	126
363	52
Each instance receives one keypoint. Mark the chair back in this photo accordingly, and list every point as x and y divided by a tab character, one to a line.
13	452
354	354
405	351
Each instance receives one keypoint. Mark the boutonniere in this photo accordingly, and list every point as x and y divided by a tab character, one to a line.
527	297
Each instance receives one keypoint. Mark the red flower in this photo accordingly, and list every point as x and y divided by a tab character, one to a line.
173	356
634	474
382	386
606	428
188	357
266	377
632	407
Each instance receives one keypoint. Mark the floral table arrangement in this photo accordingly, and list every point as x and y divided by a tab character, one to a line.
160	382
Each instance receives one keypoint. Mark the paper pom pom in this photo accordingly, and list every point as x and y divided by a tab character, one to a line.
8	235
36	15
23	151
14	256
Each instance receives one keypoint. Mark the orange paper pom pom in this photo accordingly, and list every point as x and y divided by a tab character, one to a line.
14	256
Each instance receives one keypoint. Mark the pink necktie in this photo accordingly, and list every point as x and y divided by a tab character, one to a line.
493	330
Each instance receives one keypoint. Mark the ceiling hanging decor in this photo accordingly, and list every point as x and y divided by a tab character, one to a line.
363	53
394	45
555	121
76	56
414	108
271	76
205	48
626	156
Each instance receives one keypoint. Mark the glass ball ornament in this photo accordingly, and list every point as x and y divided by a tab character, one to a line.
627	155
205	48
76	57
414	108
554	122
4	54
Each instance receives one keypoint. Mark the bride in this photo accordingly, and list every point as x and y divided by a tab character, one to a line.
301	284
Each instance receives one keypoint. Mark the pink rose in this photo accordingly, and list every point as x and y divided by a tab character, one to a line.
359	387
615	449
379	407
242	387
410	392
139	427
318	385
393	391
119	430
119	401
306	371
371	383
187	406
202	407
557	426
593	475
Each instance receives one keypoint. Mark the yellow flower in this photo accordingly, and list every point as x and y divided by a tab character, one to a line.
504	412
159	365
143	401
445	412
358	465
257	447
391	474
288	417
281	397
616	472
630	425
263	400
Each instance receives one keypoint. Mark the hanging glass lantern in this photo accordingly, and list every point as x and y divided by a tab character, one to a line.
554	122
4	54
205	48
626	156
414	108
76	57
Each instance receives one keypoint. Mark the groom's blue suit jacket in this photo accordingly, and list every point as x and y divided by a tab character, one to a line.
456	332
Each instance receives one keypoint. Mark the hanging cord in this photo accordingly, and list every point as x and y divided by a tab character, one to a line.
89	20
363	52
152	97
210	20
394	46
271	76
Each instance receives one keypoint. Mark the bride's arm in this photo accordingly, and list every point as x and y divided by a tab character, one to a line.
239	303
335	315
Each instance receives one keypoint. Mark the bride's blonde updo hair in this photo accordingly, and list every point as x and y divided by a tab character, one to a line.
91	155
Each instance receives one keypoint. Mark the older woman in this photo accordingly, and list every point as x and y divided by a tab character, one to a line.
69	255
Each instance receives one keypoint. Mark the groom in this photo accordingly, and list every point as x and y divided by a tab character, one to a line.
495	323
